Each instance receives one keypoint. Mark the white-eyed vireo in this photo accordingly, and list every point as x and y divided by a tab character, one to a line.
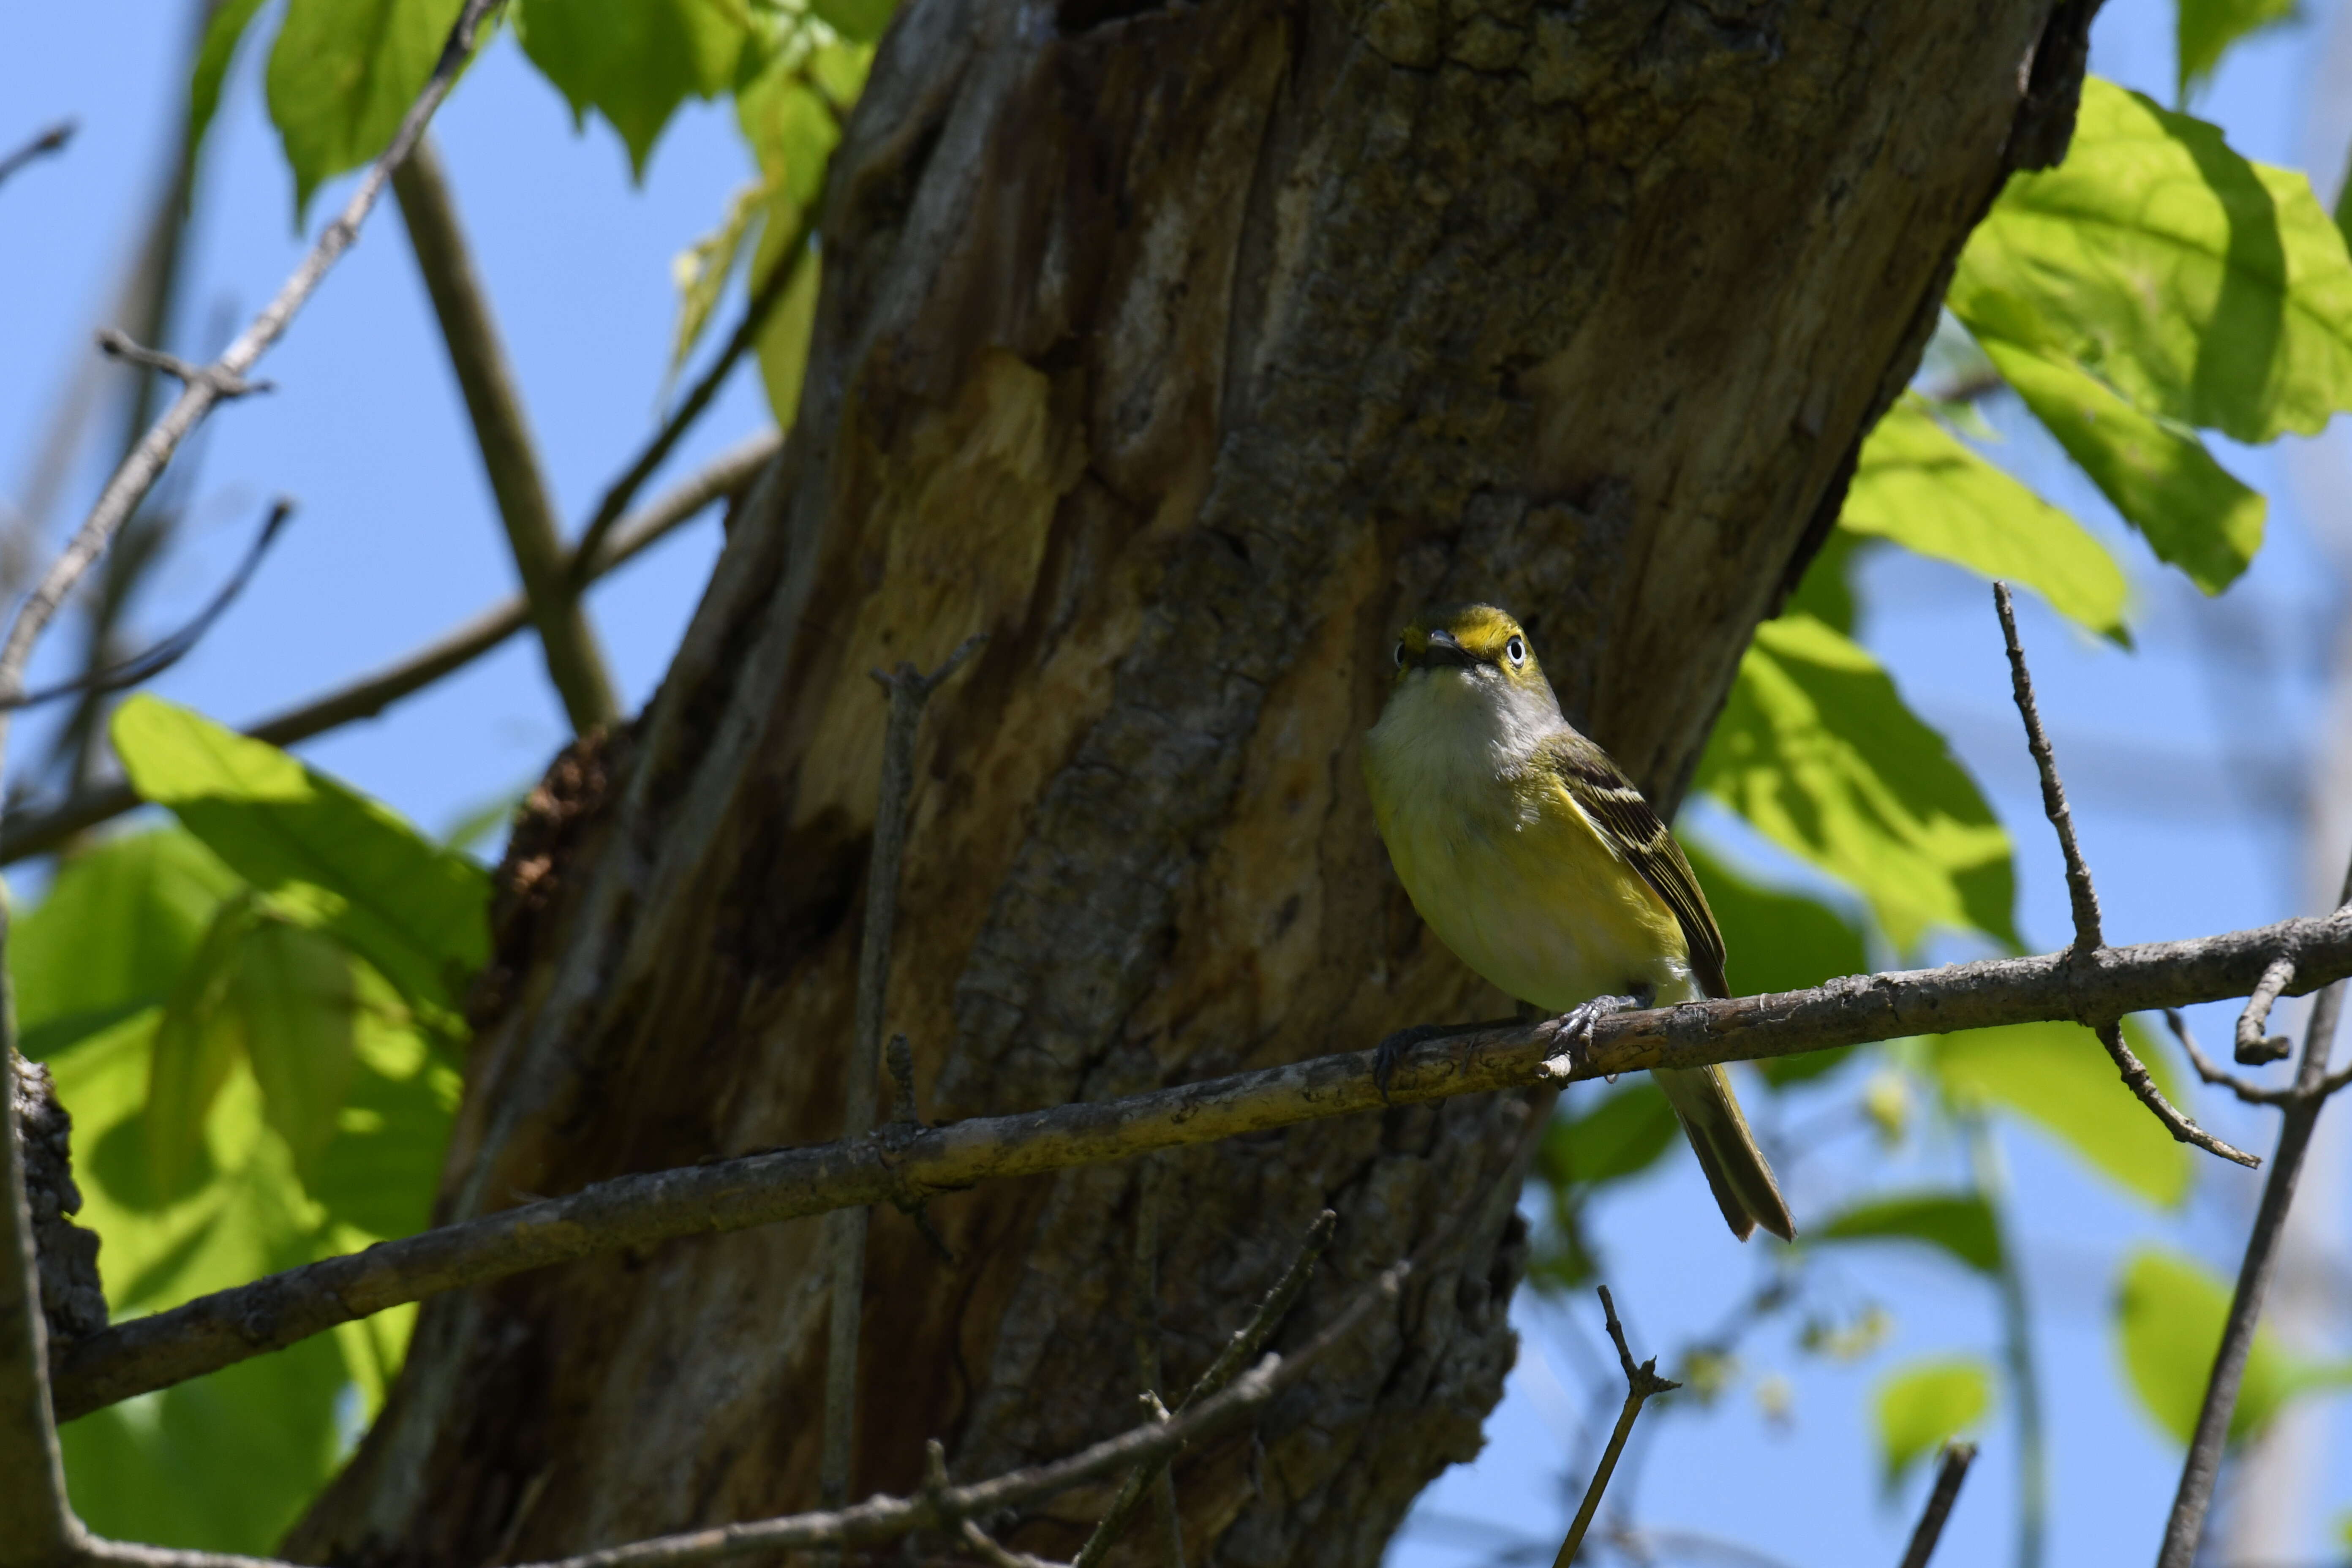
1533	856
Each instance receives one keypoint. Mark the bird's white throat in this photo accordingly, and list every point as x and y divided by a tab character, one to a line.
1457	732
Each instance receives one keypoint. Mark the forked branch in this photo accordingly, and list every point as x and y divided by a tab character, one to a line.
1643	1384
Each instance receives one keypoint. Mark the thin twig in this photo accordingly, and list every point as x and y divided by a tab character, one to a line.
53	140
763	301
2216	1075
1957	1456
2253	1048
1642	1385
2088	942
1144	1284
908	690
1247	1340
575	662
2085	902
154	661
116	343
38	831
139	471
41	1525
2194	1496
897	1165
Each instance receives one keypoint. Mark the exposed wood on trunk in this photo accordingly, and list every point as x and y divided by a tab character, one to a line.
1185	352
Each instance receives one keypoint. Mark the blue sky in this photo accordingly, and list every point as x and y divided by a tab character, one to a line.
397	539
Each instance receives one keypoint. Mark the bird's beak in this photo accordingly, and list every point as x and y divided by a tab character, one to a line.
1444	653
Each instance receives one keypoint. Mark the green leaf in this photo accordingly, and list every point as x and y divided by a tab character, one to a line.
783	342
195	1045
343	74
293	1001
120	922
790	128
2192	511
1925	1405
2203	29
2169	1312
323	856
223	31
1779	942
1826	590
860	19
1961	1224
702	270
2058	1076
633	61
1621	1136
1917	485
1816	748
378	1175
2201	287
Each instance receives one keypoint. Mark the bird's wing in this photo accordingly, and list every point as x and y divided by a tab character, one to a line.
1600	786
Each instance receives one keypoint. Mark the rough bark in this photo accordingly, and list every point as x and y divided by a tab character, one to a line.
1184	352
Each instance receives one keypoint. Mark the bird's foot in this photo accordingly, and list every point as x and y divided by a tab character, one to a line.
1576	1024
1392	1050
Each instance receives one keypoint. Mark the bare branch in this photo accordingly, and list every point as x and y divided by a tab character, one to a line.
2253	1048
2053	793
2138	1079
53	140
117	344
1957	1456
38	833
164	654
2251	1093
845	1228
1246	1343
762	304
1642	1385
2088	942
901	1165
139	471
2194	1495
575	663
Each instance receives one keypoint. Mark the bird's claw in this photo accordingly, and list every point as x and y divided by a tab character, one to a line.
1576	1024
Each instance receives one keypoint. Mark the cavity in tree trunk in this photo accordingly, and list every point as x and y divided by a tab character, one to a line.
1185	352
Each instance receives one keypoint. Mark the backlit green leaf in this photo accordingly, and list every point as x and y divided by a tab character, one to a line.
195	1045
294	1003
783	339
1816	748
320	854
633	61
2201	287
1917	485
1779	942
860	19
1960	1224
223	30
120	922
2193	513
1623	1134
343	74
2203	29
2058	1076
2169	1312
1921	1406
700	272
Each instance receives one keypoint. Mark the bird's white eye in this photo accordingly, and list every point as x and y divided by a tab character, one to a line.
1400	652
1516	649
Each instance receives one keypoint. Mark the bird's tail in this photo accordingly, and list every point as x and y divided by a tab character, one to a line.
1726	1150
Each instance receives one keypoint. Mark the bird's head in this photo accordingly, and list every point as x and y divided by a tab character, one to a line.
1476	642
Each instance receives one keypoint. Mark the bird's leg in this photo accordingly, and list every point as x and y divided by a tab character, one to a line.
1392	1049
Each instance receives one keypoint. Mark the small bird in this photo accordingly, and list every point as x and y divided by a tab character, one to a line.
1533	856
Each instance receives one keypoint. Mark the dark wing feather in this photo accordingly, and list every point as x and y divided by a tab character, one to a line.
1617	808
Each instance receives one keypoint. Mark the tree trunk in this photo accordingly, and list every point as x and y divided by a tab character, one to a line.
1185	352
